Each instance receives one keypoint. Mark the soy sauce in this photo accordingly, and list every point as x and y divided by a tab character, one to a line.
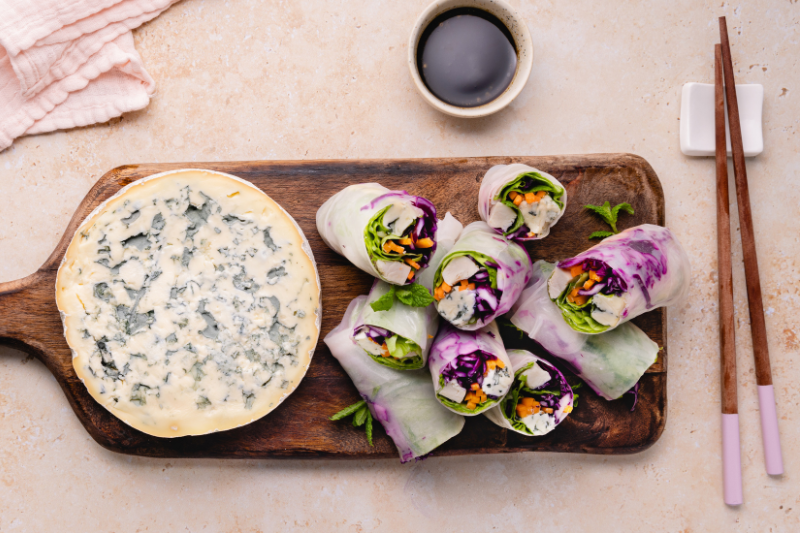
467	57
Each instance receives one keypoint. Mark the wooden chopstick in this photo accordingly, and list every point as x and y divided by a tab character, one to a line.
766	395
731	449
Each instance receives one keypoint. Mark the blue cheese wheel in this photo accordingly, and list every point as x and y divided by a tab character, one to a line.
191	303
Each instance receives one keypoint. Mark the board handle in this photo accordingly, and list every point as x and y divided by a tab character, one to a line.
28	313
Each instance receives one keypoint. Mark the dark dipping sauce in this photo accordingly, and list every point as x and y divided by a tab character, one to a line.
467	57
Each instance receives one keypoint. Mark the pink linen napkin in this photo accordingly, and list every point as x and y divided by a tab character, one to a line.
69	63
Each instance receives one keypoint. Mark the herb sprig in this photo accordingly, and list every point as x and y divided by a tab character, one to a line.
609	215
361	417
414	295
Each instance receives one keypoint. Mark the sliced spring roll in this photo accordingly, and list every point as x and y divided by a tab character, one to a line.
470	369
480	278
521	202
399	337
388	234
625	275
610	363
403	402
539	400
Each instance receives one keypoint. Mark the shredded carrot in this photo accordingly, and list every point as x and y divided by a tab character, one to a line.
527	401
548	410
445	287
406	241
384	350
588	284
529	197
594	277
411	274
581	299
574	292
577	270
463	285
535	409
471	406
513	195
425	243
567	409
413	263
491	365
475	386
500	364
438	293
540	195
518	200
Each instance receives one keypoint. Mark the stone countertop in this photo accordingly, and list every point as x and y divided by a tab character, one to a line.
319	80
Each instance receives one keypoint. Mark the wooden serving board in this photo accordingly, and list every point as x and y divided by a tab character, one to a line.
29	319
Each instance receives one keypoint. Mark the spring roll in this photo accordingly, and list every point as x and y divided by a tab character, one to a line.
521	202
539	400
625	275
471	371
610	363
399	337
403	402
480	278
388	234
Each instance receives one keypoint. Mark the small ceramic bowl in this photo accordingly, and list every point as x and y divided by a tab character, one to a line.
522	42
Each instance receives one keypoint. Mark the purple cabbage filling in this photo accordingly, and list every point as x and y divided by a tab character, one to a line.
612	283
467	369
486	298
378	335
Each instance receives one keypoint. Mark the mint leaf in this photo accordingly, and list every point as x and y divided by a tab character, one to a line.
361	416
414	295
385	302
609	215
601	234
604	211
369	428
347	411
625	206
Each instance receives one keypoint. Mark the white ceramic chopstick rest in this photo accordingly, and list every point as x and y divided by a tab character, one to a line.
697	119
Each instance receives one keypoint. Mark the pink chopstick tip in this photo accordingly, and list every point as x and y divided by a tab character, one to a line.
769	430
731	460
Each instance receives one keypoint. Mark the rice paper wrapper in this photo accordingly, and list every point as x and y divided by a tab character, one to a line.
513	266
402	401
610	363
451	342
519	360
418	324
498	177
650	261
343	218
447	232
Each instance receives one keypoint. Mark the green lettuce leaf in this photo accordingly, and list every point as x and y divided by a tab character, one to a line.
578	316
399	347
376	235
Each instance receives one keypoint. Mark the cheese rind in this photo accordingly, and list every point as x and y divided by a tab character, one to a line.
191	303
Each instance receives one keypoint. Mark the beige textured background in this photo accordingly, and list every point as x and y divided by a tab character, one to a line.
328	79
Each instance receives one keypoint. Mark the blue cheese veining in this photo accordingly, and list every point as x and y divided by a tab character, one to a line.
191	302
